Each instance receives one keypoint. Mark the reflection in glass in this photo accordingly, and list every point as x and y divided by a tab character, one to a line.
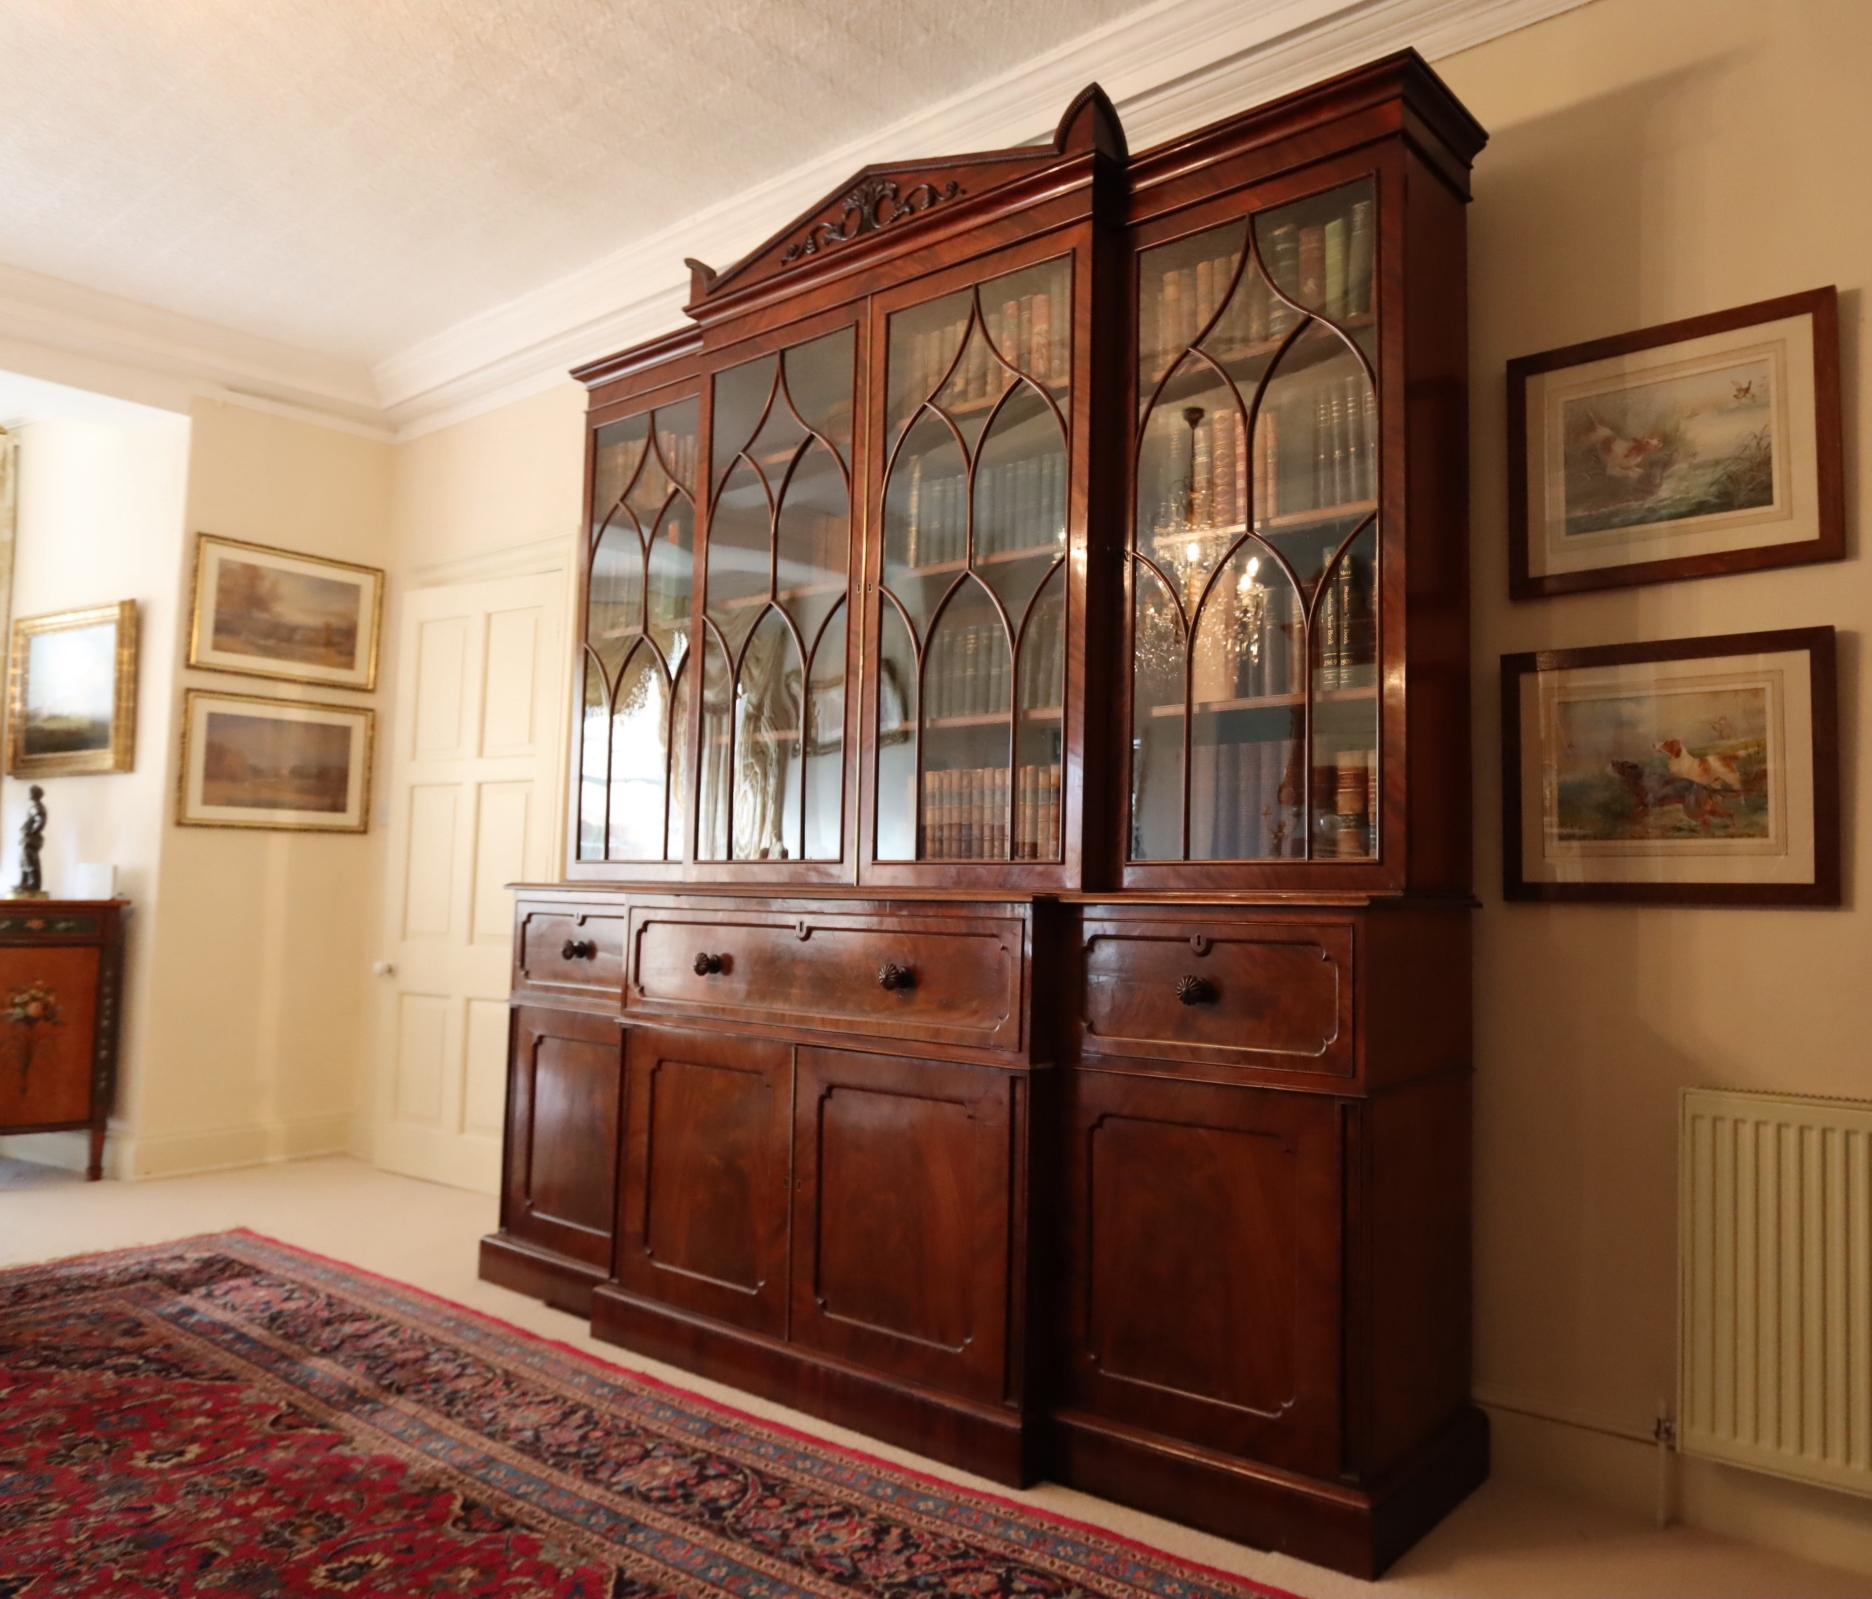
897	721
1345	706
976	501
766	798
639	765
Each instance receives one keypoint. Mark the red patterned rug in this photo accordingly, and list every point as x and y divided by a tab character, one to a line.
231	1416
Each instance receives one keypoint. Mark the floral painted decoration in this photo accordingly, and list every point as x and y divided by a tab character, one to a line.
32	1007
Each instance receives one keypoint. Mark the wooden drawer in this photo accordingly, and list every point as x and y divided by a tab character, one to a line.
944	980
570	951
1266	994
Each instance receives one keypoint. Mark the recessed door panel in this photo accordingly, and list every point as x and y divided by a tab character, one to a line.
905	1175
703	1207
562	1155
1203	1264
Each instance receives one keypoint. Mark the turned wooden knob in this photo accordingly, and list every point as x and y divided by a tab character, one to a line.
1196	991
892	976
707	965
578	949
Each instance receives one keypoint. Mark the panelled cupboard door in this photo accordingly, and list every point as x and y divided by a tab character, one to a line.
702	1210
1203	1250
974	715
471	752
903	1186
565	1096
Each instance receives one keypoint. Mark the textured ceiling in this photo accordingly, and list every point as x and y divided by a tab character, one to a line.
353	175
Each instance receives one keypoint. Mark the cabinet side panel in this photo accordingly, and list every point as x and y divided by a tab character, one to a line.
1418	1339
1436	798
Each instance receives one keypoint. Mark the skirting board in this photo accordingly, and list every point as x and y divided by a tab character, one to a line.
1622	1473
221	1148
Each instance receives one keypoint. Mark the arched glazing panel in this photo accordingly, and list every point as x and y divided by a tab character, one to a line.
898	717
639	759
1320	253
717	746
976	529
1159	657
813	534
968	682
767	745
594	764
925	518
1020	498
1345	704
825	742
1257	416
640	574
1040	695
1247	712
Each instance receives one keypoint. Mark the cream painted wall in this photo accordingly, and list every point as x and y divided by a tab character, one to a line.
1651	159
494	483
258	1042
100	520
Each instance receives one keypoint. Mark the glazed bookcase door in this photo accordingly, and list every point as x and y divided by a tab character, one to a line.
973	724
1258	543
635	708
775	624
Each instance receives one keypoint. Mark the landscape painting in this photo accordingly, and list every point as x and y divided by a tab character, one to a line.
271	613
251	762
1698	448
1683	764
1678	449
72	700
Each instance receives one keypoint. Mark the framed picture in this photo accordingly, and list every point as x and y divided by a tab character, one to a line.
270	613
250	762
1692	449
1692	771
71	699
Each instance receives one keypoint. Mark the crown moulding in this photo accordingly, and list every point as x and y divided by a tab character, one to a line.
1170	67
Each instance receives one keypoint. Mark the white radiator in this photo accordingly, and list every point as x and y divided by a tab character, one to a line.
1774	1363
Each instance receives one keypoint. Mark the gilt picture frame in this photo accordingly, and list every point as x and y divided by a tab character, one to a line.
1698	771
1692	449
72	692
284	765
259	611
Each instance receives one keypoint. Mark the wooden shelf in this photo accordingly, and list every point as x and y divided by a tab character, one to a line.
1274	702
1041	713
998	558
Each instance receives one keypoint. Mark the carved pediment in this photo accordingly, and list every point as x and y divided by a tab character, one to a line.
870	204
886	199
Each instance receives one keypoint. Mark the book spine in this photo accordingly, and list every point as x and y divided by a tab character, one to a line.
1359	260
1335	269
1041	338
1312	267
1284	265
1369	409
1202	303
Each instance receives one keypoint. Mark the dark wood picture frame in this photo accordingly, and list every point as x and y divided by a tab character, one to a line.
1829	542
1820	646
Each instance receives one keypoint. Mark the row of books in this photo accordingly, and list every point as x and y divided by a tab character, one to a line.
1210	482
1030	333
967	814
1345	803
1024	502
1324	267
970	673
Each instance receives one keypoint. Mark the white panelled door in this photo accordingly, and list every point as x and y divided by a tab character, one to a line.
473	800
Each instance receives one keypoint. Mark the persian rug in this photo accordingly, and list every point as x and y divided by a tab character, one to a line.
231	1416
